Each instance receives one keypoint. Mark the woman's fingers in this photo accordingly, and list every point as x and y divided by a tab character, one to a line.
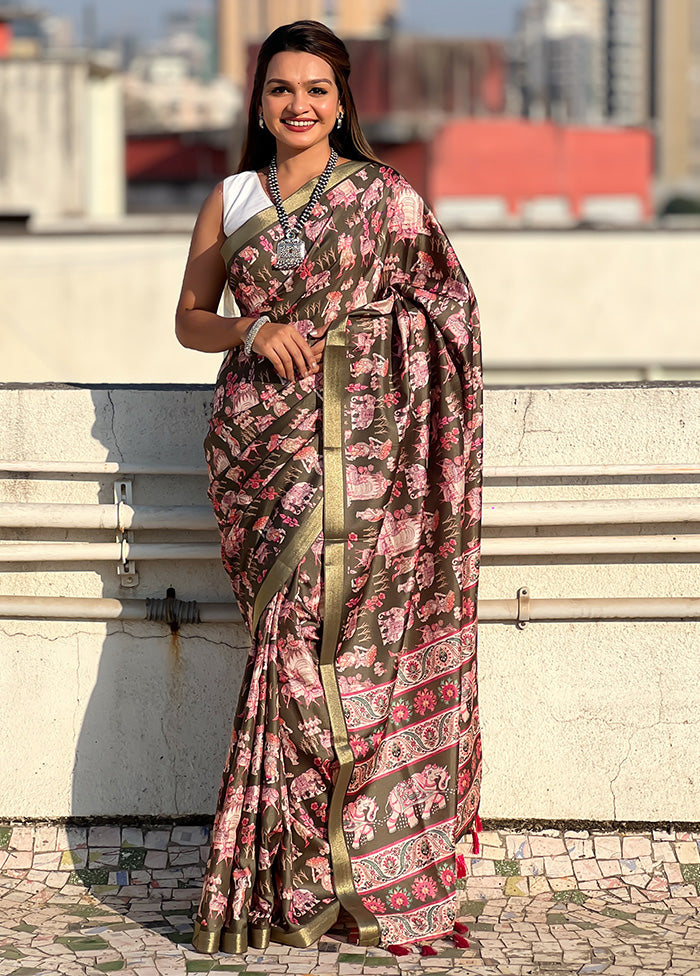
317	350
283	365
287	350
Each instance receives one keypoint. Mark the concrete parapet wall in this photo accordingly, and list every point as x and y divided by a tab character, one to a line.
100	308
593	720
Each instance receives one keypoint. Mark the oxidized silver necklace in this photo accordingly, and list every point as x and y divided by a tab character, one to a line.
291	249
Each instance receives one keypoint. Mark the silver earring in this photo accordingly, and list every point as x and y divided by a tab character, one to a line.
339	121
261	122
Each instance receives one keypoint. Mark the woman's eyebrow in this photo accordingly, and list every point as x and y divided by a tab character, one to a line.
283	81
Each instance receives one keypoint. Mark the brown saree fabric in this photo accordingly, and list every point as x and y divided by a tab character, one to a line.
349	509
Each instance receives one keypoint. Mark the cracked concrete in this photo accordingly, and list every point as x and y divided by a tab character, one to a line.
115	441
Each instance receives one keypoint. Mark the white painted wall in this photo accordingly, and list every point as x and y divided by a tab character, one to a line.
100	308
581	720
61	140
105	192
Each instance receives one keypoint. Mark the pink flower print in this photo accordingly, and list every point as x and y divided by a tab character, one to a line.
448	691
247	835
358	746
425	701
424	888
399	713
447	876
374	905
448	438
398	899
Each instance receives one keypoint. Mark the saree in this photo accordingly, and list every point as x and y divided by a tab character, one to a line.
348	504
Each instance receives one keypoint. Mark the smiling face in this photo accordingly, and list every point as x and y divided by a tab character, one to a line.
300	102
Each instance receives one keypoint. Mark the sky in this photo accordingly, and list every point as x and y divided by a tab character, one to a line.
434	17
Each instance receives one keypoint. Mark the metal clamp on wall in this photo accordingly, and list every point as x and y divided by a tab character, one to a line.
126	568
523	608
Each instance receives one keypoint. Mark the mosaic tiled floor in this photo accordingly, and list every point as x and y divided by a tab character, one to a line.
110	899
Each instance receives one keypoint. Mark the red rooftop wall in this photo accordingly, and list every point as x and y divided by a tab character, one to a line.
5	38
519	160
174	157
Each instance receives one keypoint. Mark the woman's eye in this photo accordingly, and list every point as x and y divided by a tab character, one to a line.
283	89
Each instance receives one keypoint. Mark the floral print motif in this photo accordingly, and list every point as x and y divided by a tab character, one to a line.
380	271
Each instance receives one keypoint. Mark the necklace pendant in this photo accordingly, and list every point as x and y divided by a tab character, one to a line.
290	253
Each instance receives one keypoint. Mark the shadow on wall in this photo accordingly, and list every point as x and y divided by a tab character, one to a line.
156	707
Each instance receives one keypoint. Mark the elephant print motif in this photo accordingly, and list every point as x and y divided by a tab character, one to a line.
419	794
358	819
307	784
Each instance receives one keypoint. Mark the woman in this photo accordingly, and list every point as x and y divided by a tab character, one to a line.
344	455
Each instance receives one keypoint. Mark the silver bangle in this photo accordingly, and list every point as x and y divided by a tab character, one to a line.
252	332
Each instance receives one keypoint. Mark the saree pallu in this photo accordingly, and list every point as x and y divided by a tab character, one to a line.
349	508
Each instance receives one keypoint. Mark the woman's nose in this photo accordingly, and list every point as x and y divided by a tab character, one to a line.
300	101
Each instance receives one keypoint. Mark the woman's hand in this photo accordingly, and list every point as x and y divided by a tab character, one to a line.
287	350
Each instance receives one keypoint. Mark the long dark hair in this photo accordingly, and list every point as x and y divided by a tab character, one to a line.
311	37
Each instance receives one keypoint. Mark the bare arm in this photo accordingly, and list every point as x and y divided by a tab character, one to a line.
197	325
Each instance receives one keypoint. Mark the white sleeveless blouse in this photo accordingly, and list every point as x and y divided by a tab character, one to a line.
243	198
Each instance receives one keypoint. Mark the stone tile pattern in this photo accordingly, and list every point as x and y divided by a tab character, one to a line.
637	867
90	900
163	863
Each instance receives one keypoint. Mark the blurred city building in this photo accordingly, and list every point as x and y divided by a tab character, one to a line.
678	97
626	62
180	115
21	34
630	37
241	23
160	94
559	58
61	132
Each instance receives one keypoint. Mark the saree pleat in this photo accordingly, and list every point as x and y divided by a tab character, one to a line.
349	510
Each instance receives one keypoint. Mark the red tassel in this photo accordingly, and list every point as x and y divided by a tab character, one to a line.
475	842
477	823
461	866
399	950
460	941
460	928
428	950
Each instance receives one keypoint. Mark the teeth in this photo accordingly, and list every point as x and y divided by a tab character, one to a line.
298	125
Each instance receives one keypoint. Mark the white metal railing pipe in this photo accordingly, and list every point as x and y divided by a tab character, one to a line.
608	511
490	611
42	515
594	511
490	472
12	552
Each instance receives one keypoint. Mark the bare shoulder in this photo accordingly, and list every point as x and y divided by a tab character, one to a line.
210	218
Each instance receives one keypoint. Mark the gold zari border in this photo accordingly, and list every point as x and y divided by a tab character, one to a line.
335	541
241	937
268	217
287	562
